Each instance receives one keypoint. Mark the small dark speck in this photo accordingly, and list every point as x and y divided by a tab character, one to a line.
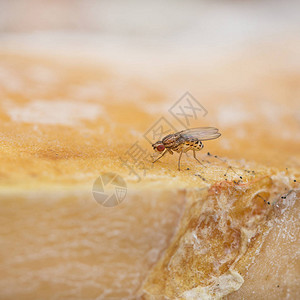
278	285
253	172
268	202
241	177
295	180
187	168
218	284
225	179
283	197
208	153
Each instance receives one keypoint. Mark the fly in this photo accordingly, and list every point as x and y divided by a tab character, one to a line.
184	141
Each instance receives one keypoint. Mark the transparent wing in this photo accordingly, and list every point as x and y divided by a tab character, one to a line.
201	133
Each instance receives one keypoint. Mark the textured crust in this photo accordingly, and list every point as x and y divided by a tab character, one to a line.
221	232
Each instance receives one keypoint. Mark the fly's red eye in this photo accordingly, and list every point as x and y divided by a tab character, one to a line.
160	148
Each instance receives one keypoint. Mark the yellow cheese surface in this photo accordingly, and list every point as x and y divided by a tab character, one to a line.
193	234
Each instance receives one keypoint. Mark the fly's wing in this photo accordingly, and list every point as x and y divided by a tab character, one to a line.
201	133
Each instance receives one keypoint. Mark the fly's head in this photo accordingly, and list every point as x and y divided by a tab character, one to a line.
159	146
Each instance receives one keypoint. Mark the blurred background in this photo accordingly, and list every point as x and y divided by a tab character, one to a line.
170	31
82	80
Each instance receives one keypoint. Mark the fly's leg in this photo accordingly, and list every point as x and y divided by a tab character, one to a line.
160	157
194	153
185	151
179	160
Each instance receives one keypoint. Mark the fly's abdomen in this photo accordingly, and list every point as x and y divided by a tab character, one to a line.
195	144
188	145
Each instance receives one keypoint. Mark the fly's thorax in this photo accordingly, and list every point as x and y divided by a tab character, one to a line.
172	140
